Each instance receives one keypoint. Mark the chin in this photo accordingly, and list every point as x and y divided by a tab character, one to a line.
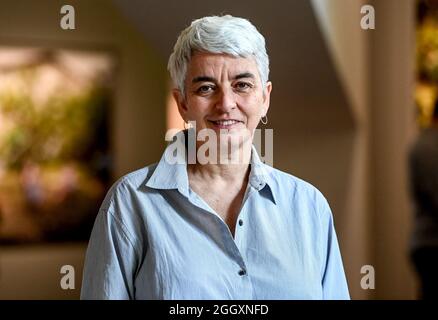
242	134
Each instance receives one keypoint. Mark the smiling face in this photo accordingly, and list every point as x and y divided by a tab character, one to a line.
223	93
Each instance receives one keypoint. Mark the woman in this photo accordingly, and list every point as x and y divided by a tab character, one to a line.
215	229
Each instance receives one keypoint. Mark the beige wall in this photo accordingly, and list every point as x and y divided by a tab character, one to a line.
33	272
392	123
138	119
376	67
348	45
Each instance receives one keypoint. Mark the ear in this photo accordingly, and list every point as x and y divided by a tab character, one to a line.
181	103
267	97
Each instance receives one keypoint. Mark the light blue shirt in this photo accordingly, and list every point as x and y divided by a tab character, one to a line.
155	238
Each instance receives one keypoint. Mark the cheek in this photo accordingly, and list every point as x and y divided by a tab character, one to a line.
197	108
253	108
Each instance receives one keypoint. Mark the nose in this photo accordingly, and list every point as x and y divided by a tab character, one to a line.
226	100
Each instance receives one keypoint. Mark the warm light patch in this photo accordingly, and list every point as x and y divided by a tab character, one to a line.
174	120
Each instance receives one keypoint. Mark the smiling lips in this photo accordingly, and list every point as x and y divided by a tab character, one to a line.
225	123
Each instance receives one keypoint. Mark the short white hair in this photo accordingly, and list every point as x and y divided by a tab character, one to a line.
218	34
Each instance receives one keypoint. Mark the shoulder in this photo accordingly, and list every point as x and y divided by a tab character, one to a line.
298	191
121	208
304	206
127	185
295	184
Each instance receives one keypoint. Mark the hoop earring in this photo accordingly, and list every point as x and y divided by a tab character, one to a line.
265	121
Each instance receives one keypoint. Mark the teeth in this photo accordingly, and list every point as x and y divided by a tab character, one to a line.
226	122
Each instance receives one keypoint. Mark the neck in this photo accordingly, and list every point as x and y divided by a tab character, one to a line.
226	168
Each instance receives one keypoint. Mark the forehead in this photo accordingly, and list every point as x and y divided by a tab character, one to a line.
213	64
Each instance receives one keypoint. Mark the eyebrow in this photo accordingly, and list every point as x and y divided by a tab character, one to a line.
210	79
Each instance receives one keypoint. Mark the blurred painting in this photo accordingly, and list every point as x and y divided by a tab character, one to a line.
55	157
426	89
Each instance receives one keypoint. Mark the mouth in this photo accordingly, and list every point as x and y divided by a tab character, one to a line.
225	124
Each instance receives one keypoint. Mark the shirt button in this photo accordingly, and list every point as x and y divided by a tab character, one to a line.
242	272
240	222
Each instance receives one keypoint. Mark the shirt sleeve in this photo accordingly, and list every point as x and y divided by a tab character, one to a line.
110	261
334	282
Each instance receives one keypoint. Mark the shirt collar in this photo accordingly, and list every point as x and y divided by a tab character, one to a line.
260	176
171	170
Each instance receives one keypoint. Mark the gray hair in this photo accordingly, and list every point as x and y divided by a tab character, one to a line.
218	34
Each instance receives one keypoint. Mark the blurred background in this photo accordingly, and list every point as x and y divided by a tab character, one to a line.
80	108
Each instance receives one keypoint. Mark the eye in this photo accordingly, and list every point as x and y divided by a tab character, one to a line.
205	89
243	86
